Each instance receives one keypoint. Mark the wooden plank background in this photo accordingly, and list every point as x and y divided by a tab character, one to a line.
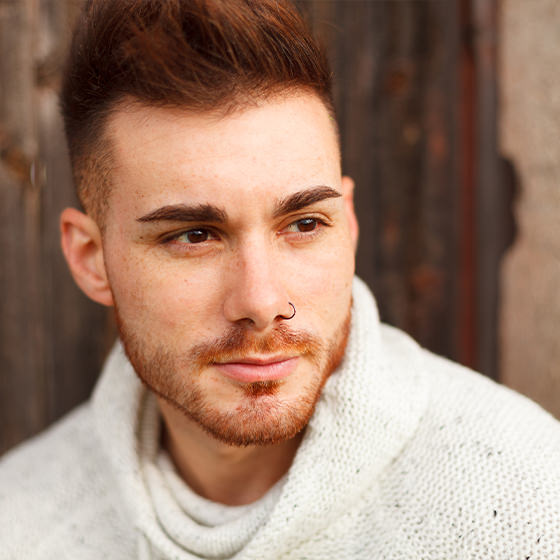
52	339
416	99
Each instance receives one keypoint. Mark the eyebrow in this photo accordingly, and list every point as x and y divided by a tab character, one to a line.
186	213
305	198
211	213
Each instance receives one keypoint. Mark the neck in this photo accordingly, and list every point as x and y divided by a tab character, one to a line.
220	472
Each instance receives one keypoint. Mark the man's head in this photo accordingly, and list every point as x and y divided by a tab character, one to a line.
213	211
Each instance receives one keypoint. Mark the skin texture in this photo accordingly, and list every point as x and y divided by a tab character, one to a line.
204	246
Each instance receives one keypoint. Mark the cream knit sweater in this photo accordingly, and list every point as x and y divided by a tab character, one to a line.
408	456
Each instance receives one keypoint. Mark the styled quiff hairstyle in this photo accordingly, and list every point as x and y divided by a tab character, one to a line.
201	55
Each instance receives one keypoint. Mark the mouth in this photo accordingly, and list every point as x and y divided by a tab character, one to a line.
255	369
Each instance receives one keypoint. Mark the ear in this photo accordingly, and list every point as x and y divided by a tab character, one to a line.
83	249
348	195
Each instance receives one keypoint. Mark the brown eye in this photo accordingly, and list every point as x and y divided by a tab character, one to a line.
306	224
194	236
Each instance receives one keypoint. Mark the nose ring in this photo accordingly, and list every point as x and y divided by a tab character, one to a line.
292	315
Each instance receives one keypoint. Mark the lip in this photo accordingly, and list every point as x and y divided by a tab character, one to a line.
251	370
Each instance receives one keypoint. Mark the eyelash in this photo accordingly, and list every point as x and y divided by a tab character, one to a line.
173	238
300	235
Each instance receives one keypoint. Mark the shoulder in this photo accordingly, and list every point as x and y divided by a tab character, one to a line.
55	493
482	468
461	396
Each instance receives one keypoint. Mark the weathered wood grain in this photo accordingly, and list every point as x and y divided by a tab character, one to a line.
52	339
397	70
22	382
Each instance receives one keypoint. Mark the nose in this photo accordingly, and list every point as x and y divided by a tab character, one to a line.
256	293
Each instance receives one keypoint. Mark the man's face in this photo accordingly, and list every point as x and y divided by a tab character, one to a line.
216	223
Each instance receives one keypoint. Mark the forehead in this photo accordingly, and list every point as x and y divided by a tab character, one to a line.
280	145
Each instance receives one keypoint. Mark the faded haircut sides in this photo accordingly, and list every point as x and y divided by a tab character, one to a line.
201	55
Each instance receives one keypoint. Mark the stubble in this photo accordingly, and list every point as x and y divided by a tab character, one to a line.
262	416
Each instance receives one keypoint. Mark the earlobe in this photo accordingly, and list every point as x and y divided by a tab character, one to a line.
348	194
83	250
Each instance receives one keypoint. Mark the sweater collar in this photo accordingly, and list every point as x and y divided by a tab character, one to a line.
368	411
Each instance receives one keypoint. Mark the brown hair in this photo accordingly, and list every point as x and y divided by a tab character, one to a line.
199	54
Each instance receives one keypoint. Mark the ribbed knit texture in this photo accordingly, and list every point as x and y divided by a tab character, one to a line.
407	456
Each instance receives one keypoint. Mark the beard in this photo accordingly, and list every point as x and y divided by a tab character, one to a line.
263	416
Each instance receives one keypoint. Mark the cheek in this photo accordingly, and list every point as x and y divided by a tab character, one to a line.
159	298
325	285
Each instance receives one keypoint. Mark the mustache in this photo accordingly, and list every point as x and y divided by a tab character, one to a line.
239	342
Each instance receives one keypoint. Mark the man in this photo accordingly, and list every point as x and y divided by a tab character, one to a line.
254	407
